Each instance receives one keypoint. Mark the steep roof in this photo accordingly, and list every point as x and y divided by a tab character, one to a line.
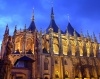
32	26
70	30
53	23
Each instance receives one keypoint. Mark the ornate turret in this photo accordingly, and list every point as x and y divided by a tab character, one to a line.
32	26
6	34
7	30
15	29
52	23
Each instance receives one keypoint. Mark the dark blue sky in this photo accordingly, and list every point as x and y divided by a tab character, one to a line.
84	14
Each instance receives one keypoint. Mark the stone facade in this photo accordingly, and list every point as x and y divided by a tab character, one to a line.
56	55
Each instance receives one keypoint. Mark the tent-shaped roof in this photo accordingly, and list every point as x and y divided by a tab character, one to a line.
25	58
70	30
32	26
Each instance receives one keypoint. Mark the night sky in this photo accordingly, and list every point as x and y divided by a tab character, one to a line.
83	14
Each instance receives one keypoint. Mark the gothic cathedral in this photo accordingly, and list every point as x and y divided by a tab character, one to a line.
53	54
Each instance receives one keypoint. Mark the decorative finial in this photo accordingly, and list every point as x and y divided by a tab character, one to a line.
95	39
74	32
59	29
52	13
15	28
87	33
93	34
7	29
81	33
25	26
33	15
68	17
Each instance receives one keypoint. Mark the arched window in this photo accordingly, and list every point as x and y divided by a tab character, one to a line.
66	74
65	62
29	44
46	62
21	43
56	62
17	43
46	78
57	74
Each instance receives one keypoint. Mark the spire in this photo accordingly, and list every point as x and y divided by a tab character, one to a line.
15	28
7	29
53	24
32	26
33	15
81	34
52	13
25	27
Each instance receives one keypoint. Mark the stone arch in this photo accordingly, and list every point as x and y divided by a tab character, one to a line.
93	72
46	78
86	73
78	71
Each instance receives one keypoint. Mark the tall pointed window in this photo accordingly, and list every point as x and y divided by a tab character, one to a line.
65	62
57	75
66	74
46	62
